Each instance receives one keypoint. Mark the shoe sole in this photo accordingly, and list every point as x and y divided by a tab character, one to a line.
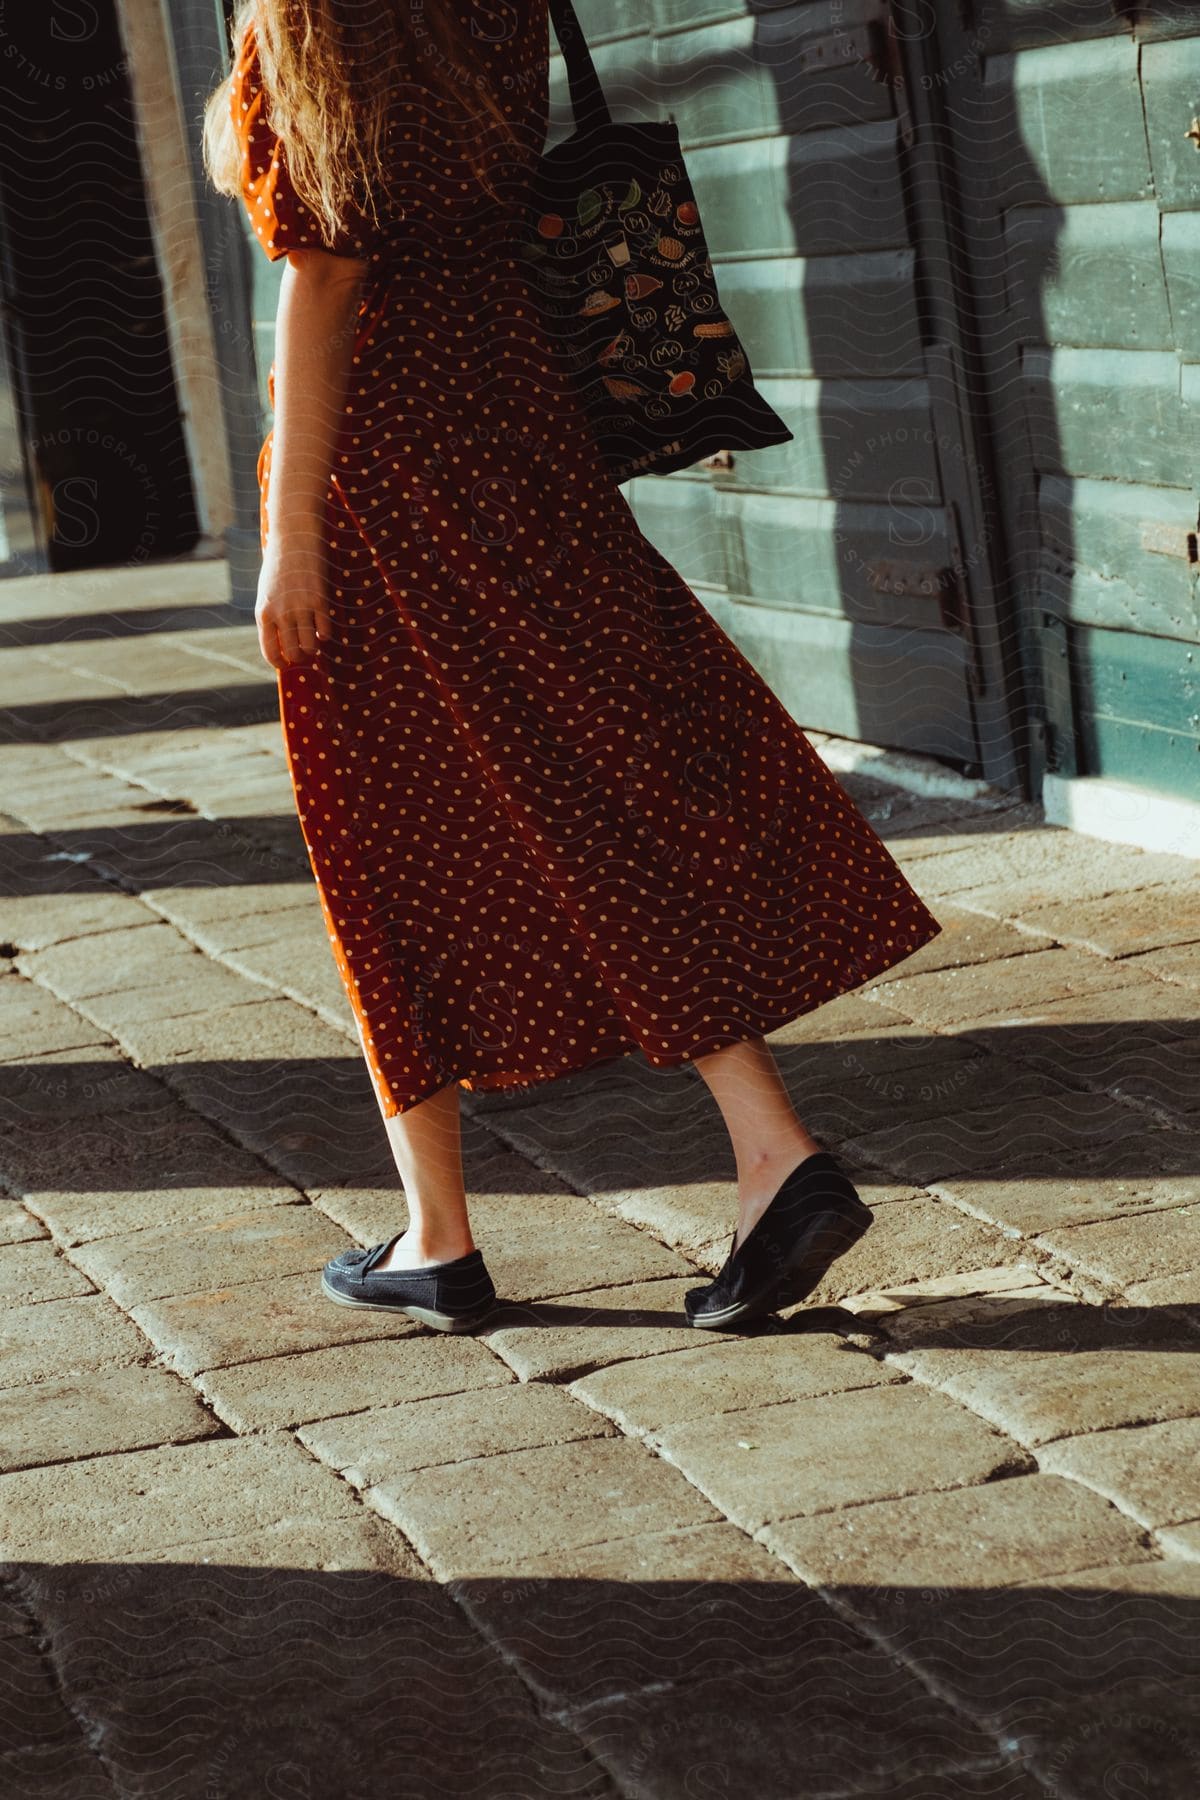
803	1271
424	1315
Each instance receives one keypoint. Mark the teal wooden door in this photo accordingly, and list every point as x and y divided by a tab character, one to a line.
1076	128
856	566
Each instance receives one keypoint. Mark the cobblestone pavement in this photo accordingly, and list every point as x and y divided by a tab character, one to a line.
934	1535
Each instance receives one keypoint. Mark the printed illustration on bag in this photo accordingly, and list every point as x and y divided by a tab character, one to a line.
639	256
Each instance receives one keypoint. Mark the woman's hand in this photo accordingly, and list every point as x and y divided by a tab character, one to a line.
292	606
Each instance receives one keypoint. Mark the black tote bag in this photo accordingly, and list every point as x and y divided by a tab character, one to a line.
618	259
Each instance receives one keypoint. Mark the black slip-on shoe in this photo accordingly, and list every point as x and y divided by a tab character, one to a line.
814	1218
449	1296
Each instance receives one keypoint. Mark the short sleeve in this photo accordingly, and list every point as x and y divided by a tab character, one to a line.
280	219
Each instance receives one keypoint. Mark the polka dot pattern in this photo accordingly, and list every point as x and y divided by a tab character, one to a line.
554	814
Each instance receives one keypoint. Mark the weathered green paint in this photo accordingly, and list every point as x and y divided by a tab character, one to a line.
1181	260
827	315
855	440
1138	705
1065	124
1020	24
1116	555
821	193
1112	413
1171	84
858	680
1088	275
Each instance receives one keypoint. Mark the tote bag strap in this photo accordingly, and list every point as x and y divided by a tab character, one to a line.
587	96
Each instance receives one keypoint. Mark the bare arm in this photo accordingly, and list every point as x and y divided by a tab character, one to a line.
314	333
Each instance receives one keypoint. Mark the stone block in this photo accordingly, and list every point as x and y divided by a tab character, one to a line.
972	937
1118	1252
726	1377
1151	1472
1122	924
1180	964
857	1718
75	1084
34	1023
788	1460
16	1225
124	1171
37	1271
1038	1398
919	1240
320	1384
138	1503
110	962
372	1447
31	1710
1036	1319
555	1340
1010	873
247	1246
1147	1737
57	1339
989	1536
584	1622
256	1319
1044	1126
1136	1174
1181	1540
63	1771
95	1414
484	1517
1011	988
1140	1042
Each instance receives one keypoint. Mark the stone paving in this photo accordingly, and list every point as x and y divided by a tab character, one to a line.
934	1535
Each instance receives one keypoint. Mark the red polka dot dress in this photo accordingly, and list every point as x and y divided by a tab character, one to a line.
555	816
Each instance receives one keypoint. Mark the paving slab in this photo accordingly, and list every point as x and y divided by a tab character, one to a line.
340	1716
1180	965
486	1517
1010	872
96	1414
1152	1472
37	1271
139	1502
1180	1540
107	962
1036	1318
972	937
371	1447
857	1723
56	1772
1038	1398
1122	924
991	1535
1179	1294
678	1606
1055	1123
1017	1657
554	1340
1145	1742
1140	1044
32	1713
726	1377
247	1246
765	1463
36	1023
54	1339
17	1226
1119	1251
110	1173
322	1384
959	998
85	1082
255	1319
1137	1175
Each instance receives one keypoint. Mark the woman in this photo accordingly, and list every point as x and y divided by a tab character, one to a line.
553	813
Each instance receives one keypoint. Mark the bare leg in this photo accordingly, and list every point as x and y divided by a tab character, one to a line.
427	1145
769	1140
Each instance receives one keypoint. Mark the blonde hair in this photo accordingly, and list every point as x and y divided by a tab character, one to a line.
331	70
